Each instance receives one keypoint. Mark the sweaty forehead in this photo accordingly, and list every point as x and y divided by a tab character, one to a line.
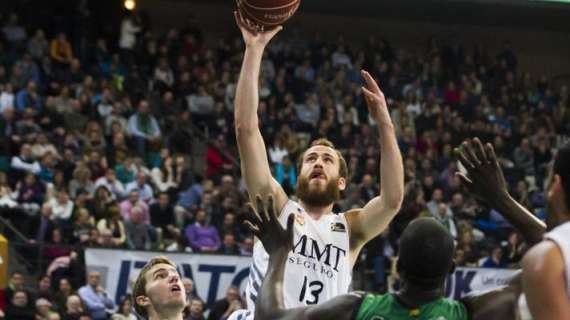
322	150
159	266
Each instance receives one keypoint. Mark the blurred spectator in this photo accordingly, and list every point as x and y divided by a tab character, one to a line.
202	236
81	181
95	297
64	292
246	246
222	308
24	163
111	183
495	259
114	225
196	311
38	45
60	51
7	97
189	288
128	33
16	283
201	106
18	307
447	220
61	208
43	309
44	289
30	194
144	128
144	189
14	33
162	214
73	308
229	244
125	311
137	231
132	201
514	249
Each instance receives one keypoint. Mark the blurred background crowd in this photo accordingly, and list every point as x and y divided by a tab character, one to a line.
128	142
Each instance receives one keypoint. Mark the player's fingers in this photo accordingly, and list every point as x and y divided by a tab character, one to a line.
271	209
368	95
464	180
252	228
480	151
274	31
253	214
261	209
370	82
491	154
459	153
470	153
290	222
239	19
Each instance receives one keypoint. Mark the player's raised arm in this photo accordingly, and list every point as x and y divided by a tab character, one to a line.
278	243
378	212
253	155
484	179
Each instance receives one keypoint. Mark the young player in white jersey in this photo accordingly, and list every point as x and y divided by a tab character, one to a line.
326	244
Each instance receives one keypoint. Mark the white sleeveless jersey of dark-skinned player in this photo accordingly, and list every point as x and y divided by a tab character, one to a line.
318	267
561	237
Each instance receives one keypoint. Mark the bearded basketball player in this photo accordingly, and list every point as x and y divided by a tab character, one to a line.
319	266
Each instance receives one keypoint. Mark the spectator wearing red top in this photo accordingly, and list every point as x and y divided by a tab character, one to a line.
218	161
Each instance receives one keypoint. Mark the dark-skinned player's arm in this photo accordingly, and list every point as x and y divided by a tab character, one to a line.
484	179
496	304
544	284
278	243
369	222
253	154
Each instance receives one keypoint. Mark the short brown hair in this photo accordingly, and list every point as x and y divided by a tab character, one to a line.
139	288
343	170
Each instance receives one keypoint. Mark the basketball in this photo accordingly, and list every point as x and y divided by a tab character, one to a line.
267	14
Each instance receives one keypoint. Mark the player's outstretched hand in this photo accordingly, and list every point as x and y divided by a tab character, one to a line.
266	227
252	35
375	100
484	177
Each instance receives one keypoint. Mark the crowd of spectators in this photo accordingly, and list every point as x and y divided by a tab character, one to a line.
104	149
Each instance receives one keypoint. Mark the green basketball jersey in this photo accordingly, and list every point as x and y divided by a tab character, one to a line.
386	307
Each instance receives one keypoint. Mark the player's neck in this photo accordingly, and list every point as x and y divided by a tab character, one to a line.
165	314
317	211
412	296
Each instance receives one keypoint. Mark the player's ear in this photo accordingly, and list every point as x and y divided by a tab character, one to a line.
142	301
341	183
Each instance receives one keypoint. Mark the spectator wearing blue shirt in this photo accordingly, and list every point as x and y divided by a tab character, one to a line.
28	97
95	297
495	260
145	190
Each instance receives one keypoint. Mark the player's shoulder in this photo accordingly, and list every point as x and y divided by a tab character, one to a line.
544	257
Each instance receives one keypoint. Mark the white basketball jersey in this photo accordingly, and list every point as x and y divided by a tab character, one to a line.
318	267
561	236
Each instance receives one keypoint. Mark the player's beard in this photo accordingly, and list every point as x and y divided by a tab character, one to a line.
317	197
